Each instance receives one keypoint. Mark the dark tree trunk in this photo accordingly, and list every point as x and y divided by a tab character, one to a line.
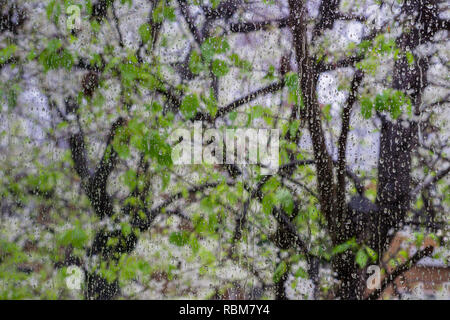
98	288
394	179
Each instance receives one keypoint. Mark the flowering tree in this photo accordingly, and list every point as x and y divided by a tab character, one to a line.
93	90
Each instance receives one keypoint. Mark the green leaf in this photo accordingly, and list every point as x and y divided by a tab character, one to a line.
301	273
130	179
404	254
327	112
189	106
267	203
157	13
243	65
120	143
395	111
257	111
420	237
179	238
55	57
50	8
293	127
130	2
291	80
156	107
76	237
159	149
212	46
53	11
207	257
126	229
270	73
366	107
169	13
361	258
200	224
381	101
371	253
409	57
279	271
344	246
129	73
389	100
7	53
284	197
215	3
210	102
195	63
219	68
145	31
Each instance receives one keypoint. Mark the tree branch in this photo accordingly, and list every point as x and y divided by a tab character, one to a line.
308	77
242	219
95	185
155	28
274	87
328	13
79	157
96	189
246	27
151	214
342	143
356	180
350	17
283	219
116	22
430	180
344	63
198	37
400	270
301	185
224	10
